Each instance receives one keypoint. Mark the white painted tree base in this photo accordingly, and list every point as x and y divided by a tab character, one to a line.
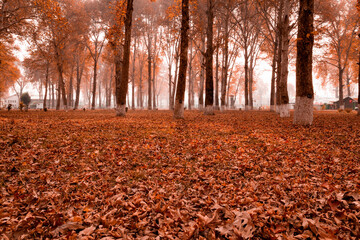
179	110
284	110
304	111
342	107
121	110
247	108
223	108
209	110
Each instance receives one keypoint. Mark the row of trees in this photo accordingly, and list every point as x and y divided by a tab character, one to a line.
100	46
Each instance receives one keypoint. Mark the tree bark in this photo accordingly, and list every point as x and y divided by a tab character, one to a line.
304	87
246	79
209	88
202	75
251	83
94	84
285	36
46	84
100	102
79	73
53	95
225	63
140	91
217	80
123	83
133	79
154	84
190	76
149	74
154	72
171	105
180	91
71	88
359	77
341	88
280	28
273	77
61	88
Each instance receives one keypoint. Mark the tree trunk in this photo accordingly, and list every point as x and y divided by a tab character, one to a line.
175	79
190	76
341	88
53	95
94	85
348	78
217	78
209	89
133	79
280	28
46	85
154	73
63	92
359	81
202	75
71	88
246	79
225	64
123	84
171	104
283	92
149	74
304	87
79	72
154	84
140	89
184	39
99	86
273	75
58	94
108	90
251	82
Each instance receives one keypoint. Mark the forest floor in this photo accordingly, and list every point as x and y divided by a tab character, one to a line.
235	175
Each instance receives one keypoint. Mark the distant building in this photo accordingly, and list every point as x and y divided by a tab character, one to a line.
349	103
13	100
38	103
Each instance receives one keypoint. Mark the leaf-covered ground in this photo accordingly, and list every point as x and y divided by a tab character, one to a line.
235	175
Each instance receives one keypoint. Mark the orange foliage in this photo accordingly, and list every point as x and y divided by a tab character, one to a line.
9	71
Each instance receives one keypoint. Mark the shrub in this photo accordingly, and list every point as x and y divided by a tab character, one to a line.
348	110
21	106
340	110
25	98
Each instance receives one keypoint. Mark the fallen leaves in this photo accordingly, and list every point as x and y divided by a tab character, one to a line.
235	175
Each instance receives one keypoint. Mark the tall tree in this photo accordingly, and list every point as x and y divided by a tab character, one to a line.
209	86
248	37
269	11
55	17
95	45
227	7
122	83
304	87
284	32
9	71
358	11
338	25
184	44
